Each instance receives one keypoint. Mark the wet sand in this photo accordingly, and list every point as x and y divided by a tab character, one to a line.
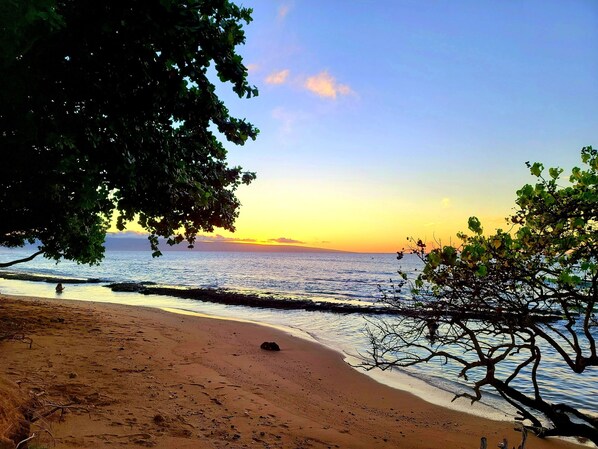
102	375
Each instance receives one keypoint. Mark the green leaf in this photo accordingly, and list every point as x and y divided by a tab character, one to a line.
433	259
482	271
474	225
536	168
555	172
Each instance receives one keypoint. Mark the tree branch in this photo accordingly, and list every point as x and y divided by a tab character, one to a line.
26	259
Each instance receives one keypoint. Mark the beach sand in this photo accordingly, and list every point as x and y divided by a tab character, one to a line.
134	376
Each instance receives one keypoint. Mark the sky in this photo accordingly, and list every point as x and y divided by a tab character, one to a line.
381	120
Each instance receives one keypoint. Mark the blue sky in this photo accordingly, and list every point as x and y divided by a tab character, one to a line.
386	119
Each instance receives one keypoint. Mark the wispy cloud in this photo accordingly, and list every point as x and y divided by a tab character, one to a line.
286	240
446	203
221	238
279	77
286	118
325	85
127	234
283	11
252	68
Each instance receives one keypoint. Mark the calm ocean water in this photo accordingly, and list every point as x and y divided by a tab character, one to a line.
339	277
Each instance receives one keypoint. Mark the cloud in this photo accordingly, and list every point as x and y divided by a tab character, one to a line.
221	238
286	118
286	240
279	77
253	68
446	203
127	234
324	85
283	11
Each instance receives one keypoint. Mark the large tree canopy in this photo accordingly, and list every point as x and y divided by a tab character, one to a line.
507	308
109	106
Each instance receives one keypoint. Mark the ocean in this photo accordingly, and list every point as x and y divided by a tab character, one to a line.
346	278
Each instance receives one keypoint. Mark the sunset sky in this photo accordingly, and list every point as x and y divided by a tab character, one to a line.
386	119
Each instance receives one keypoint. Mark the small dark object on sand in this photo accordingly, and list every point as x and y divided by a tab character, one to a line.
270	346
59	288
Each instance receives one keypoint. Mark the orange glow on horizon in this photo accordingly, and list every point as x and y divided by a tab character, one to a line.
340	215
387	235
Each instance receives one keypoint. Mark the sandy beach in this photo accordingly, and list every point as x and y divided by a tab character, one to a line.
93	375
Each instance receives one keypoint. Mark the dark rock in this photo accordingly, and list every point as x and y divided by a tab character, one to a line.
270	346
127	287
221	296
43	278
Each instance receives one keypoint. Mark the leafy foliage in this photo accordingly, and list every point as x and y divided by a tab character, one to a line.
497	304
107	106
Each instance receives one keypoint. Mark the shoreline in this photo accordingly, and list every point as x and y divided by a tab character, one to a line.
224	296
490	407
397	380
317	278
142	376
436	388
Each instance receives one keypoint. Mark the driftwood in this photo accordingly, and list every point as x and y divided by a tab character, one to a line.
523	438
17	337
25	440
57	407
504	444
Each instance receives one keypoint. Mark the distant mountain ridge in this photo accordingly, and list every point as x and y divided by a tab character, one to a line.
142	244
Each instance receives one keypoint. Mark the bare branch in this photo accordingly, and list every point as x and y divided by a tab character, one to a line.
26	259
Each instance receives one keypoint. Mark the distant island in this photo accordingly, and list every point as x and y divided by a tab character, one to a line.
141	244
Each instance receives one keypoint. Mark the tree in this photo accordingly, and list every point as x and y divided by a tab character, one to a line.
494	306
108	108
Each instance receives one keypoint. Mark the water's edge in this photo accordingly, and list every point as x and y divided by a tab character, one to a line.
400	380
301	281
